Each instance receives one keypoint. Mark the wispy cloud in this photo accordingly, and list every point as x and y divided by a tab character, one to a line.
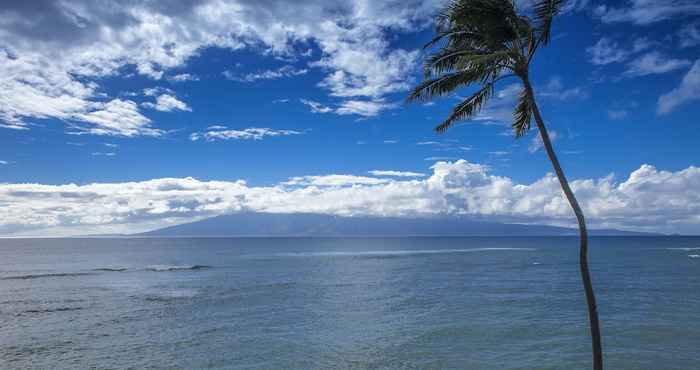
167	103
687	91
214	133
396	173
654	63
270	74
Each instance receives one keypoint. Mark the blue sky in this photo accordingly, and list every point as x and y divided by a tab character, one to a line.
277	94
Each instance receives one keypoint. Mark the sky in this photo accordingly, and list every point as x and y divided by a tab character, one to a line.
130	116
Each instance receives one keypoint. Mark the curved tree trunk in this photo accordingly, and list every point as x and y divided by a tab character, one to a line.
583	252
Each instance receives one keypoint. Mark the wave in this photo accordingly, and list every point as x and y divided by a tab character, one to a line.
684	249
390	253
51	275
694	255
111	269
162	268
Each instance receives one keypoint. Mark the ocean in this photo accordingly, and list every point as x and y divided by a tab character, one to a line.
346	303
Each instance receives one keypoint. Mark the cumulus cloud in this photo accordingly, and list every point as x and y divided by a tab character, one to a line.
51	66
648	199
689	90
167	103
214	133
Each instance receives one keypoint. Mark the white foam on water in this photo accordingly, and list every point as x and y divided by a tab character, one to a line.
684	249
694	255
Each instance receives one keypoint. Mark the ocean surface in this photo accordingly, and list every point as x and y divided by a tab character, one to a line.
346	303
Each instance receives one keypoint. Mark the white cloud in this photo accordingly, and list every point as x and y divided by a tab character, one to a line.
167	103
316	107
654	63
649	199
285	71
4	162
689	90
555	89
607	51
364	108
689	35
182	77
115	118
537	144
334	180
103	154
214	133
645	12
56	73
396	173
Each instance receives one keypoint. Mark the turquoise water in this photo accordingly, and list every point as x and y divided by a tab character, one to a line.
277	303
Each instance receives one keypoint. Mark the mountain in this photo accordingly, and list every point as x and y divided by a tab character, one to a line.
309	224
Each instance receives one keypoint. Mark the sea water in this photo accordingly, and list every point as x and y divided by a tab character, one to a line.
346	303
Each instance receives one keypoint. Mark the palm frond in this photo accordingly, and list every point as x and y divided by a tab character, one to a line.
545	11
522	116
444	85
467	108
451	59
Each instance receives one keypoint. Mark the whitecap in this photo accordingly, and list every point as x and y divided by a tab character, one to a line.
684	249
694	255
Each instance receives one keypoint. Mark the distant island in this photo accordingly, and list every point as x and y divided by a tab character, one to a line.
321	225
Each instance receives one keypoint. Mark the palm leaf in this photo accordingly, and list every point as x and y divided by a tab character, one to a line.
545	11
467	108
522	116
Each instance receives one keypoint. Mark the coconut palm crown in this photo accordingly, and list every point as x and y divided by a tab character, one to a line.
479	43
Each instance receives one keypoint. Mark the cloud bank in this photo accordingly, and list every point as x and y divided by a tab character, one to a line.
648	199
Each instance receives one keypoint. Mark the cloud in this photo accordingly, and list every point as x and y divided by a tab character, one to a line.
285	71
214	133
649	199
316	107
182	77
114	118
654	63
364	108
607	51
4	162
537	144
56	54
644	12
689	35
689	90
396	173
103	154
167	103
555	89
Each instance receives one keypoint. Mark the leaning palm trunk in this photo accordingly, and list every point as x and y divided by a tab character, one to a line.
583	233
481	43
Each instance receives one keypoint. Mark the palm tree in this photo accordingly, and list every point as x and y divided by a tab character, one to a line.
481	43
